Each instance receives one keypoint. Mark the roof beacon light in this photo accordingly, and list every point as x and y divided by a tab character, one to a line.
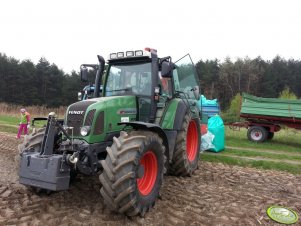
138	53
129	53
150	50
120	54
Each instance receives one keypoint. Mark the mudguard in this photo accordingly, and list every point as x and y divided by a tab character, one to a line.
152	127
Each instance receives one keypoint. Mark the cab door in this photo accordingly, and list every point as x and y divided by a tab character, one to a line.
185	77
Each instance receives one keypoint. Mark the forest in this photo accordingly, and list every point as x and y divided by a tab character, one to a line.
223	80
26	83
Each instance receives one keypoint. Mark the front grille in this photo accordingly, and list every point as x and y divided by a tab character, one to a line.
76	120
89	118
99	124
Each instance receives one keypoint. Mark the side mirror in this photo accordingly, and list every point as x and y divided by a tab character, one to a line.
84	74
196	92
166	69
79	95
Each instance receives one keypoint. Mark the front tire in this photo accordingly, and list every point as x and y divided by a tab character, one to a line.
186	156
133	172
31	143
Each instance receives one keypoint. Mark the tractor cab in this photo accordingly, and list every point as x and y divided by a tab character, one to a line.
152	80
132	76
138	86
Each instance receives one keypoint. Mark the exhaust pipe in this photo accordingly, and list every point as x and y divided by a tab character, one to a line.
99	75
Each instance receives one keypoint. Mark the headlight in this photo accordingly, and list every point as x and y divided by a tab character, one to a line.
84	131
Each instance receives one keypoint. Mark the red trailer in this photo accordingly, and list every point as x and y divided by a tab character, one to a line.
264	116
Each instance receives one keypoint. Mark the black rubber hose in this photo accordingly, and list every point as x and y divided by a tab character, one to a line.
63	130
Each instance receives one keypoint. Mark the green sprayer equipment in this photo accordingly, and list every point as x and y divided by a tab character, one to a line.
145	124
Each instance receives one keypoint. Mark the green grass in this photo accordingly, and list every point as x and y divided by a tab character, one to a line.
295	169
285	140
8	129
10	124
262	154
9	120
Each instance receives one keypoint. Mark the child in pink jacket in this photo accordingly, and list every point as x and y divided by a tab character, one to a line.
24	123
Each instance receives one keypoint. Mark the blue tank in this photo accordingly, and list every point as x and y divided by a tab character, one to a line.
209	107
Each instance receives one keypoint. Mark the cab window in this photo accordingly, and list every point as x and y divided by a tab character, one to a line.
185	78
131	79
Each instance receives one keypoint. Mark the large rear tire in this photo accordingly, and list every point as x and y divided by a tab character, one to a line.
133	172
186	155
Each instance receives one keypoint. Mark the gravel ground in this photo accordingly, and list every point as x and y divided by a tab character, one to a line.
216	194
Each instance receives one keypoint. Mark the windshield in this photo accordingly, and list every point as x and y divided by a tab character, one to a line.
129	79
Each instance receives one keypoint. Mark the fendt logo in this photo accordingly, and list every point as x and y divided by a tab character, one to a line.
76	112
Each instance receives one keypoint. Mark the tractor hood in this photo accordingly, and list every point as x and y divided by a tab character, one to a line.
101	115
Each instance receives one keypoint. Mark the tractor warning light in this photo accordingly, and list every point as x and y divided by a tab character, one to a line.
128	54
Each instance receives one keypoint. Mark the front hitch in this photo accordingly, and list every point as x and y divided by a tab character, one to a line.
44	168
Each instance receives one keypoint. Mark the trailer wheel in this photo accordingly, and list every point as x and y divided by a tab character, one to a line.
270	135
257	134
186	156
133	172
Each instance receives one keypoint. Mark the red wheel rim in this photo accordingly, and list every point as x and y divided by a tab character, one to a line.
147	181
192	141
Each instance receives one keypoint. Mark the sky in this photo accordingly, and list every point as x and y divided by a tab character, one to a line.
70	33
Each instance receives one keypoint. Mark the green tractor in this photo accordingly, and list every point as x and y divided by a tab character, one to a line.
145	124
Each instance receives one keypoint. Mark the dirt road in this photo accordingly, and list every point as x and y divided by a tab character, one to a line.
216	195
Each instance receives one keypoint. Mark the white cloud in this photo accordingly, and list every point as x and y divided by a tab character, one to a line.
69	33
